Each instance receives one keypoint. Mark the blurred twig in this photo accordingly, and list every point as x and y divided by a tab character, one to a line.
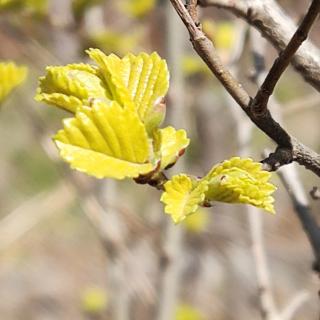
289	148
301	202
276	26
173	235
260	101
301	104
291	181
244	129
17	223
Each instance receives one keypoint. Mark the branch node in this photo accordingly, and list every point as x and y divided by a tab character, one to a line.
276	159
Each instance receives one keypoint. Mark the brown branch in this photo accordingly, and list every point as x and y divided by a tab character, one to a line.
192	9
272	22
260	102
207	52
289	149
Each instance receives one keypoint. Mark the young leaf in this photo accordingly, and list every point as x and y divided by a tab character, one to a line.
240	181
71	86
170	143
106	141
11	76
182	196
139	81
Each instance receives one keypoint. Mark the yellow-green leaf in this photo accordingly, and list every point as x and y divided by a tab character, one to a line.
182	196
11	76
147	79
139	81
70	86
170	143
106	141
112	70
241	181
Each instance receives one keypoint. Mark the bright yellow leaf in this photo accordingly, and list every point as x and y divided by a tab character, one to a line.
139	81
71	86
106	141
11	76
182	196
241	181
170	143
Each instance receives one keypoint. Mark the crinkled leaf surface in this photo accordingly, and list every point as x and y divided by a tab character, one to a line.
170	143
71	86
182	196
11	76
137	81
106	141
241	181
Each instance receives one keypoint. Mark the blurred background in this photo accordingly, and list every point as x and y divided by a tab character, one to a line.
72	247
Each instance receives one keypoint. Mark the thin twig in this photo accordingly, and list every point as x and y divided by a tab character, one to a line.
192	8
276	26
244	128
289	149
294	305
170	264
260	102
207	52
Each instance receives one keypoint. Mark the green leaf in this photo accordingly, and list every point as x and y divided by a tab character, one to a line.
170	143
106	141
182	196
11	76
240	181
